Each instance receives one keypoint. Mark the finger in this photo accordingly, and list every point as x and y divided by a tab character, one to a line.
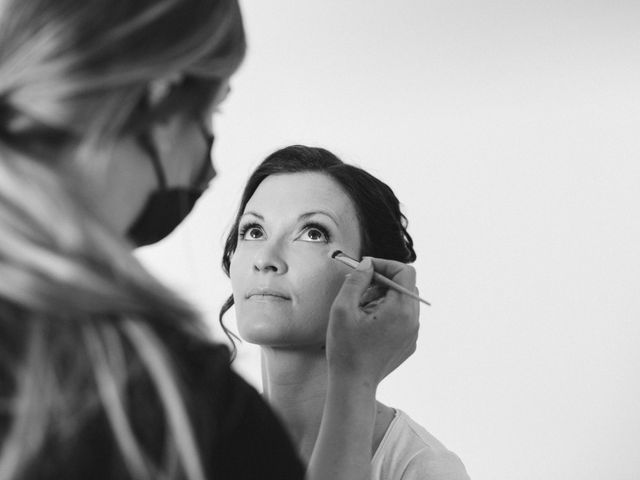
399	272
388	268
399	306
354	286
372	293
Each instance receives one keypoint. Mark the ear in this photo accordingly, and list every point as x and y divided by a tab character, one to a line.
159	89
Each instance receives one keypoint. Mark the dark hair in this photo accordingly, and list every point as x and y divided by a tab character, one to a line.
383	227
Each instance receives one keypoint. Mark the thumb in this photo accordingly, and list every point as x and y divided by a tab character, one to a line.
354	286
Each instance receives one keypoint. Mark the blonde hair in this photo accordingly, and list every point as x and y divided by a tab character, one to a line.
79	315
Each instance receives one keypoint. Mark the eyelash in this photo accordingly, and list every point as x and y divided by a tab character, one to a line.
242	231
316	226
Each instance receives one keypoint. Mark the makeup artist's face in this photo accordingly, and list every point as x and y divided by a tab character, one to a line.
283	280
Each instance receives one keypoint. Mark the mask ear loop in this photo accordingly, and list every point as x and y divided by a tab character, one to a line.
146	119
149	147
203	174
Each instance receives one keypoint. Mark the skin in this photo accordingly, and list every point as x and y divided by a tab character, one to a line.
281	252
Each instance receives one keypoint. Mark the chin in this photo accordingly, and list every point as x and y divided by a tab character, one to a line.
261	330
272	338
270	326
281	336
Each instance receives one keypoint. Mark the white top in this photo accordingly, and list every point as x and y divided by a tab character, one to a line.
408	452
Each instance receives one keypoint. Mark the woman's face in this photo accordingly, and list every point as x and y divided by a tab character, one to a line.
283	279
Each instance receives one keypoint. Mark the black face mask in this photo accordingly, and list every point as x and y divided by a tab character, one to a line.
167	207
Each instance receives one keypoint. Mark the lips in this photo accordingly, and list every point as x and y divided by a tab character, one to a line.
267	293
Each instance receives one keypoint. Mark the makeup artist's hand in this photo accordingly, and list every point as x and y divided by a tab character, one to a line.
371	341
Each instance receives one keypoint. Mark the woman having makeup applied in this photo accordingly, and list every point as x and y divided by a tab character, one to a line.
300	205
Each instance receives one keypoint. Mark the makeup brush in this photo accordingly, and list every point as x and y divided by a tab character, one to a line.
342	257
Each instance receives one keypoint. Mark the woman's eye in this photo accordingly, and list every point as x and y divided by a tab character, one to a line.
314	234
251	233
255	233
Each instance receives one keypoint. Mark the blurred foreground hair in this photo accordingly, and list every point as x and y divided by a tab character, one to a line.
81	320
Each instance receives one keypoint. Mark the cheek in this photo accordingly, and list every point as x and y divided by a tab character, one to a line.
239	277
236	272
319	292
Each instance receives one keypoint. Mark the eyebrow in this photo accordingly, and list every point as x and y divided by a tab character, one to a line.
304	216
253	214
307	215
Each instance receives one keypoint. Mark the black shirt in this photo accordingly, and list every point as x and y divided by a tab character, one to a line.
237	433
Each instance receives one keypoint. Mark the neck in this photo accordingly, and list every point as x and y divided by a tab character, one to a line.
295	384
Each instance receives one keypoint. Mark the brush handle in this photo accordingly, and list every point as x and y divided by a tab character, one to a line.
378	278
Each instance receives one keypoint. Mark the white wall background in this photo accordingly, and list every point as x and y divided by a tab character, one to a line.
509	130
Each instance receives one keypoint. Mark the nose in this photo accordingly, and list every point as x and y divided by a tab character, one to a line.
269	259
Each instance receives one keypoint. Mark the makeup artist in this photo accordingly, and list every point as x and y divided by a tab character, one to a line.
105	138
300	205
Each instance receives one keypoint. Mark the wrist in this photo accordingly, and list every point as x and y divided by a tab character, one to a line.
352	384
353	373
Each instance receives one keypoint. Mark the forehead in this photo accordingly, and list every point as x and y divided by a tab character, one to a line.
299	193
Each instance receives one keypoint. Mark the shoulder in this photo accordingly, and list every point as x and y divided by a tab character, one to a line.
239	433
426	466
410	452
